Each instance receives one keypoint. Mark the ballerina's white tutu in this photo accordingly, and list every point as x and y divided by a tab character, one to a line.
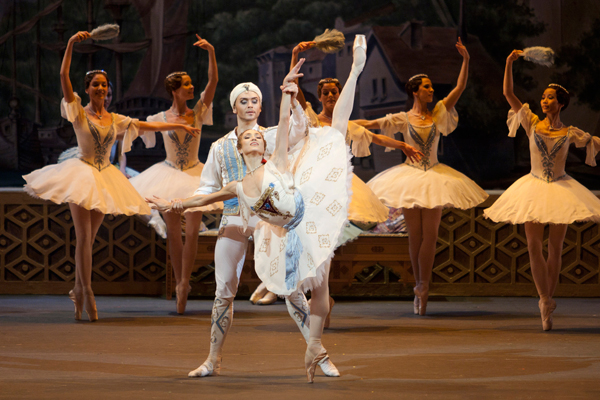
427	183
364	207
90	180
179	175
547	194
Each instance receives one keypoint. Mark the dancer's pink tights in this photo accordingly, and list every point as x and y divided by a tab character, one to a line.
86	224
545	271
182	255
423	225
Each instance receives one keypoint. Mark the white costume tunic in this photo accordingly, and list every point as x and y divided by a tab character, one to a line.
547	194
364	207
90	180
302	214
223	165
427	183
179	175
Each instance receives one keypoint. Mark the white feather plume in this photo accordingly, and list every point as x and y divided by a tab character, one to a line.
539	55
105	32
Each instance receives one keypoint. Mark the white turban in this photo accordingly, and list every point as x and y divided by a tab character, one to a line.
241	88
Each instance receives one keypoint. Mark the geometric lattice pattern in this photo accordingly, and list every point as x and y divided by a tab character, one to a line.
474	256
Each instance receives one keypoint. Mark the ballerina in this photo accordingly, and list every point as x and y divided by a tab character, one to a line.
179	175
424	188
89	183
546	196
302	206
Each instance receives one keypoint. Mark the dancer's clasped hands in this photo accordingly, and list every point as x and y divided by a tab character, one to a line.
156	203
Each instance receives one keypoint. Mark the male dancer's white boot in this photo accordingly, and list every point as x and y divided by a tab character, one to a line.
222	316
297	307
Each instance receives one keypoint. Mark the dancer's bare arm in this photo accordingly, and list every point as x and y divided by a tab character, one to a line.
300	47
168	126
65	80
289	91
367	124
508	91
213	72
199	200
454	95
411	153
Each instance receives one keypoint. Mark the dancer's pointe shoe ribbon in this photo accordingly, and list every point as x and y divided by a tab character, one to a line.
423	297
329	368
360	57
416	302
269	298
547	307
78	305
328	319
310	363
206	369
182	296
90	307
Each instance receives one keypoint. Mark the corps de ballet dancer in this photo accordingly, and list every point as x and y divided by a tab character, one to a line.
547	195
178	176
302	204
90	184
424	188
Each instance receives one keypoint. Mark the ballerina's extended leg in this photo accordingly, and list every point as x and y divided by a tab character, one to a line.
299	310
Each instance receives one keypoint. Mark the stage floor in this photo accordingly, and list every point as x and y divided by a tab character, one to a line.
466	348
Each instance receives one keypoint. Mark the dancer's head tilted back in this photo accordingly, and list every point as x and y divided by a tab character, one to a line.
179	86
251	141
246	101
420	88
96	84
555	99
328	91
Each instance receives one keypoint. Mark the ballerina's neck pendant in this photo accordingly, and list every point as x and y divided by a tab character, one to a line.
553	128
419	115
178	114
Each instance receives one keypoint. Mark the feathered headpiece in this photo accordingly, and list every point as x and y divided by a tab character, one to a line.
539	55
330	41
105	32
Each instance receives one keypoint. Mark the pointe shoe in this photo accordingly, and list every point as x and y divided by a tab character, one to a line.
90	307
78	305
360	57
159	225
416	302
328	367
182	296
423	297
547	307
328	319
258	294
311	361
269	298
206	369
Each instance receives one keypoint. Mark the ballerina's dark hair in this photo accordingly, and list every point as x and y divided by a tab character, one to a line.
173	81
411	87
562	95
89	76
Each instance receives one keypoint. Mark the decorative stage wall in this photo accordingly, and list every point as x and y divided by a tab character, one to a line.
474	257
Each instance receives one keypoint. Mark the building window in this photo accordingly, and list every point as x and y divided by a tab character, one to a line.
349	50
310	70
383	89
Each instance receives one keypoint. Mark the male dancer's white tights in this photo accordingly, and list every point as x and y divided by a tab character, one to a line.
230	254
